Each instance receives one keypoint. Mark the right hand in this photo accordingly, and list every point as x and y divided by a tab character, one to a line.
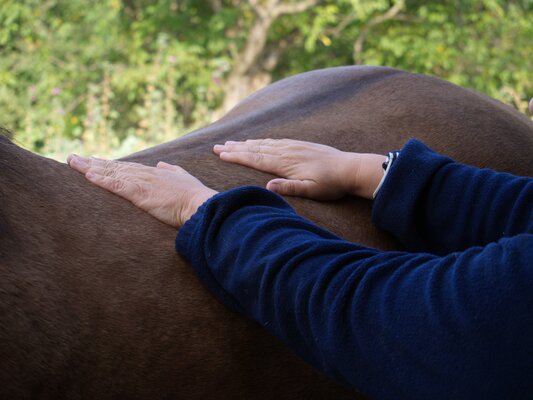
307	169
168	192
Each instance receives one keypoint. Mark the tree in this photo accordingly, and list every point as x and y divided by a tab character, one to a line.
254	62
115	76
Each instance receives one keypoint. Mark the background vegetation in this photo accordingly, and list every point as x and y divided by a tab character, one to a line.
110	77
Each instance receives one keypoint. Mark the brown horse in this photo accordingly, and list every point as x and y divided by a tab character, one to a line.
94	302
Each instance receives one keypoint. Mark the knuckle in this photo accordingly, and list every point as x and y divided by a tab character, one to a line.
143	190
130	164
118	186
110	169
290	187
256	158
288	161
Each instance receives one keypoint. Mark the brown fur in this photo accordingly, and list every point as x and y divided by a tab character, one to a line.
94	302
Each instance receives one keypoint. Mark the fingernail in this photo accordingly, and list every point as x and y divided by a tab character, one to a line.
218	146
273	187
77	160
91	176
73	160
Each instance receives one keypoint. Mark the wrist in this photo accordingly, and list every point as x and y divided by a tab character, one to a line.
196	201
366	172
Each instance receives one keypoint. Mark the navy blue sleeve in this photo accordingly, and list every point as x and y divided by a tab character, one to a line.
393	325
431	203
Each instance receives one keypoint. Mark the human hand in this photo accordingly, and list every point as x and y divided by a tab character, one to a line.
307	169
168	192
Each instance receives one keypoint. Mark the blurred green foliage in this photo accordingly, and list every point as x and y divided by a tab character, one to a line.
114	76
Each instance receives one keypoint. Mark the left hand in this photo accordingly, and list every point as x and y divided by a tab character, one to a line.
167	192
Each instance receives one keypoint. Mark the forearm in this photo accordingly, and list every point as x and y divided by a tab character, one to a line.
432	203
390	324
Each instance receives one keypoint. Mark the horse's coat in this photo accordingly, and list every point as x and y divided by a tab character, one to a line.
94	302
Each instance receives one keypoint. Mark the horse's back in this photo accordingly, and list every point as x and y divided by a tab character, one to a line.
361	109
94	302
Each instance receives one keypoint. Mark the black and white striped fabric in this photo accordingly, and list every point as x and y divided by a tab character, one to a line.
387	164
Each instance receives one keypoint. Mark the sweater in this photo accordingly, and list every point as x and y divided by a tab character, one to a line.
450	318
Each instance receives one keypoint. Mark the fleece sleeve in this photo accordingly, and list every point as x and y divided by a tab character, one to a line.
393	325
431	203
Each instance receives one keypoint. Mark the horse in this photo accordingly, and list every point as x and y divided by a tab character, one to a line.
94	300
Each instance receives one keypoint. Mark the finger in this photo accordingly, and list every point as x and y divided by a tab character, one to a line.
170	167
268	142
267	146
531	105
259	161
291	187
239	148
117	169
100	162
244	148
83	164
218	148
78	163
252	142
121	187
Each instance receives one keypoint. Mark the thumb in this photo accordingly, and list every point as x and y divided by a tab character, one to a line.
170	167
290	187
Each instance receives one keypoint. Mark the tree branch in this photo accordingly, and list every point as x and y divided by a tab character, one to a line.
293	8
260	11
341	26
272	53
391	13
